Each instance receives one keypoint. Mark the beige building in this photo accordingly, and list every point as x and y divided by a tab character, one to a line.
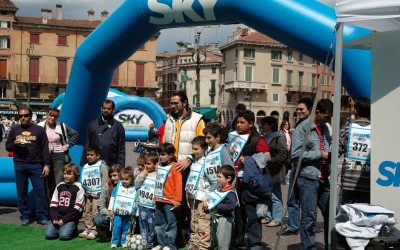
40	53
178	71
264	74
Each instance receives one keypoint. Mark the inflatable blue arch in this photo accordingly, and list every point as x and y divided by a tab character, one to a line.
305	25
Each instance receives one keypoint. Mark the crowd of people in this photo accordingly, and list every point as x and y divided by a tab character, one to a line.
208	185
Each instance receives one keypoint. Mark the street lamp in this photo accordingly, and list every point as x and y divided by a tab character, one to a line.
29	53
248	96
198	56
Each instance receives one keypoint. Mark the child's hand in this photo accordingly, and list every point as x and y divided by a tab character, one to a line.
111	213
188	205
60	223
145	171
205	206
55	222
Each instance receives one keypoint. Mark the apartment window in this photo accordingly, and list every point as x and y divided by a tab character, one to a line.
276	54
248	74
275	75
34	69
236	53
236	74
223	94
62	40
115	79
313	79
290	56
5	24
35	91
301	74
139	74
275	97
34	38
212	92
249	53
300	57
4	42
289	77
62	70
3	68
213	70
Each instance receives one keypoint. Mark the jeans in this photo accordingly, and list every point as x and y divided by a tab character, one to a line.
275	205
32	172
56	172
102	222
312	194
293	204
65	232
166	225
253	227
146	223
121	228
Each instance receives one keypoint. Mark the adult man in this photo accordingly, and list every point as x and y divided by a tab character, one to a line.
31	161
356	166
312	182
181	127
304	106
108	134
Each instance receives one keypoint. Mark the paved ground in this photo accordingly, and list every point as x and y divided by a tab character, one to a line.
11	214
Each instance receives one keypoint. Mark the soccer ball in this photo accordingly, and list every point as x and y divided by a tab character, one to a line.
137	242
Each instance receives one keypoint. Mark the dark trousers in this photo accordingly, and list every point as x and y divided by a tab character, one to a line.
240	218
33	172
253	227
56	174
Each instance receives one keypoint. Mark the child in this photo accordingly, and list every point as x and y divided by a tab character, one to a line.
102	221
222	202
168	193
66	205
94	177
122	207
140	165
246	141
196	187
145	183
218	154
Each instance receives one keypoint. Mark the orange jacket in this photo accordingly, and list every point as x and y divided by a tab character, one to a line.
172	187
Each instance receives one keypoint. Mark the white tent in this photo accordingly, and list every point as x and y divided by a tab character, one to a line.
382	16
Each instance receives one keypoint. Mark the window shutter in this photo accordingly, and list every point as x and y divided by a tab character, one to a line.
139	74
8	42
8	24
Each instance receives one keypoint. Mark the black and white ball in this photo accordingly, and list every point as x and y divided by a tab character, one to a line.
137	242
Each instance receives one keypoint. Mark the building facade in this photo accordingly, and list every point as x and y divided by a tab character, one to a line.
39	52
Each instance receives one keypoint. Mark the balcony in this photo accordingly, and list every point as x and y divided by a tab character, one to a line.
300	88
242	85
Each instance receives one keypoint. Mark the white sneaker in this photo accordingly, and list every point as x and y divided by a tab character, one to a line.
157	248
124	245
113	245
166	248
84	234
91	236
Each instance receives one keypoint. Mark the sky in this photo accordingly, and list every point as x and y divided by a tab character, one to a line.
77	9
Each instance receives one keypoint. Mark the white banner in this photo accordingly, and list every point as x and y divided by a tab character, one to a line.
133	119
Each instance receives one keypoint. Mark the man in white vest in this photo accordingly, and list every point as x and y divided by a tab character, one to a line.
181	127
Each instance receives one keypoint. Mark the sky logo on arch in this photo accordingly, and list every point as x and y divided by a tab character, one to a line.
176	12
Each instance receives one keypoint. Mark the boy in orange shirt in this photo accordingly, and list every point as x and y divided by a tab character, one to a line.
168	193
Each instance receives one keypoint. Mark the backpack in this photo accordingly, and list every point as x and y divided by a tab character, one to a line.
257	183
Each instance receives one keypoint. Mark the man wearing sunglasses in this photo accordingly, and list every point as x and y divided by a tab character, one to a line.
29	143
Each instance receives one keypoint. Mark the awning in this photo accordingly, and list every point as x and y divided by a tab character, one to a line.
209	113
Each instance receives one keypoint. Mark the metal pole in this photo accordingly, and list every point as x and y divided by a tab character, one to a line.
335	131
198	71
29	82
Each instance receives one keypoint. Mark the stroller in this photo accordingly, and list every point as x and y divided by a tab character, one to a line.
145	147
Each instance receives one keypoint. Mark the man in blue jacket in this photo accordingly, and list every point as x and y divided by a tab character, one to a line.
312	182
108	134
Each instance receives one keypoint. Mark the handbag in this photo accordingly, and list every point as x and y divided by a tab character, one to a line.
67	157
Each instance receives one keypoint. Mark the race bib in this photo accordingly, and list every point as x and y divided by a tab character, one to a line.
212	162
124	203
236	144
214	197
146	193
91	178
162	175
359	143
196	170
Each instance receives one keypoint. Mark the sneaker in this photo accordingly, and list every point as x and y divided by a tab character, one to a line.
287	232
44	222
113	245
25	222
273	224
91	236
124	245
84	234
157	248
166	248
265	221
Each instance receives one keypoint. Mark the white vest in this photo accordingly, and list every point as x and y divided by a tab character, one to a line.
92	178
188	131
125	199
146	192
